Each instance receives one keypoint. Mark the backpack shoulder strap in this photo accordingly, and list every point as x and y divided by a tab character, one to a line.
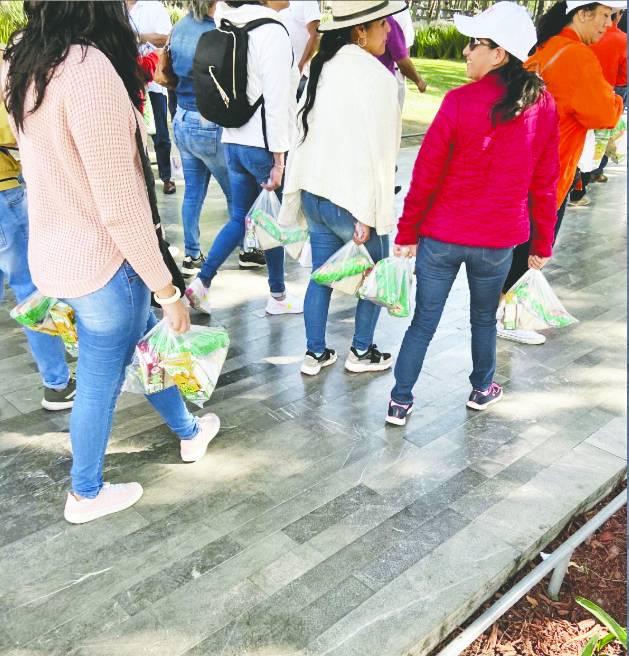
263	21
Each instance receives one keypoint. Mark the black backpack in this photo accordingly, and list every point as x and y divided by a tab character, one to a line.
219	74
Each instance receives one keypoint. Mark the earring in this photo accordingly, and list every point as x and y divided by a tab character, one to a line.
362	41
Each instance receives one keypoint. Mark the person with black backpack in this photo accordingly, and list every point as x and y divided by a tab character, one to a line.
246	81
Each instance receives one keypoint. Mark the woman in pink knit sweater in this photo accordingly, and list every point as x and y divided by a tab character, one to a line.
487	171
72	89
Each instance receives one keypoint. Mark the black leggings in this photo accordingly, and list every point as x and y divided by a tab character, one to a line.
520	263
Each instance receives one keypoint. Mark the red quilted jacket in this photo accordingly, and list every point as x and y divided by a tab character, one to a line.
478	185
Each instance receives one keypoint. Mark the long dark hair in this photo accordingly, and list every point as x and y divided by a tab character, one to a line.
523	89
555	19
331	43
35	52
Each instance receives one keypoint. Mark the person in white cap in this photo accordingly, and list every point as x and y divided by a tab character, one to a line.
341	170
585	101
485	178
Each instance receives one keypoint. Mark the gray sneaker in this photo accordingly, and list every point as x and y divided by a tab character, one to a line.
372	360
59	399
312	364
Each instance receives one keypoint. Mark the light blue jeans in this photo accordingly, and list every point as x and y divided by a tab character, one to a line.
331	227
202	156
47	351
110	322
248	168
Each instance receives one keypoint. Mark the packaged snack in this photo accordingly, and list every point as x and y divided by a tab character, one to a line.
389	284
250	242
612	143
346	269
510	318
34	313
269	233
537	305
198	296
63	318
192	361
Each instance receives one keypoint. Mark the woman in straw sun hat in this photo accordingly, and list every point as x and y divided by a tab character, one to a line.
487	170
585	101
340	175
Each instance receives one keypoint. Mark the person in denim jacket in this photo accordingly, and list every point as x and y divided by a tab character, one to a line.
198	140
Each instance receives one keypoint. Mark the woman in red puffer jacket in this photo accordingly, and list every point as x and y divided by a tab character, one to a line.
485	178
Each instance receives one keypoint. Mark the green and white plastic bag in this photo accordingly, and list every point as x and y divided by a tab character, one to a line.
269	232
537	305
390	285
345	271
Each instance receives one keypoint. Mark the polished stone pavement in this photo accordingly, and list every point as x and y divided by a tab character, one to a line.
310	528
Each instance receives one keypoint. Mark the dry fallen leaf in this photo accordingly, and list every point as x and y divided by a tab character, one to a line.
532	601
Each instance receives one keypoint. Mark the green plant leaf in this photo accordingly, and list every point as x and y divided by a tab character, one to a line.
605	640
589	648
613	627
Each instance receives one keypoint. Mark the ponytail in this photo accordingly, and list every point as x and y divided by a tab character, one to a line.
523	89
331	43
555	19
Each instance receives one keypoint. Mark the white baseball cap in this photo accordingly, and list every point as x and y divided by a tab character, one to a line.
571	6
505	23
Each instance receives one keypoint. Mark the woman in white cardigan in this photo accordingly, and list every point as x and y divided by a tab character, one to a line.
341	170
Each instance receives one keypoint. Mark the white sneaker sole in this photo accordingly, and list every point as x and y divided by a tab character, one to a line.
359	368
477	406
250	265
55	406
287	311
396	421
202	446
83	518
506	334
190	272
313	371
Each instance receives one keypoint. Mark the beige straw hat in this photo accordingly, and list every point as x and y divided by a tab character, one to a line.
347	13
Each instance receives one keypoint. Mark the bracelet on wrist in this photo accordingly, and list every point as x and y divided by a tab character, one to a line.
170	300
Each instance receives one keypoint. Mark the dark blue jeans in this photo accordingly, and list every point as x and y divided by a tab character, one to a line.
248	168
437	266
331	227
161	138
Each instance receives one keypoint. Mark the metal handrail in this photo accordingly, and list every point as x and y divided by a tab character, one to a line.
557	562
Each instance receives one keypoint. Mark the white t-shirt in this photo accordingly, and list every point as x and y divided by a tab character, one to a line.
150	16
405	21
296	18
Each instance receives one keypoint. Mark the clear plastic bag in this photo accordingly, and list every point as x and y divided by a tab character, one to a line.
250	242
390	285
269	233
305	259
537	306
198	296
345	270
44	314
612	143
192	361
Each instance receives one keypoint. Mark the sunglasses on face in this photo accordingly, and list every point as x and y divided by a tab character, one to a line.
474	43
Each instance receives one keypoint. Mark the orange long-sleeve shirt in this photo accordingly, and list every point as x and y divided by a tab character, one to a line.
585	100
611	51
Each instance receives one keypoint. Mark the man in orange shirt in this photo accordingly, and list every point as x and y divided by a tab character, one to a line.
611	52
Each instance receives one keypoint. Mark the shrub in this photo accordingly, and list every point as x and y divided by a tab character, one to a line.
11	18
439	41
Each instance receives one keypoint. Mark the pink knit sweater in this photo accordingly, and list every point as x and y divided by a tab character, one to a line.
87	201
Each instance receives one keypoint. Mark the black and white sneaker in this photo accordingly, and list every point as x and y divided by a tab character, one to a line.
482	399
59	399
371	360
398	413
251	259
312	364
192	265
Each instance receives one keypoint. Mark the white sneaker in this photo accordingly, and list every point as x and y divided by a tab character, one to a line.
521	336
111	499
194	449
290	305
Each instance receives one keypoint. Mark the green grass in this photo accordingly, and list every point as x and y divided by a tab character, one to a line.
441	75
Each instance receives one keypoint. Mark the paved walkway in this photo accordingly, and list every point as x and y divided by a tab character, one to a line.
310	528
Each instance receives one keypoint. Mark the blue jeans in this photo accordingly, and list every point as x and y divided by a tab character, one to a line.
161	138
331	227
47	351
110	322
437	266
202	155
248	167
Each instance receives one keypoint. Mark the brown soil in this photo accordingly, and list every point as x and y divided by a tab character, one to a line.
538	626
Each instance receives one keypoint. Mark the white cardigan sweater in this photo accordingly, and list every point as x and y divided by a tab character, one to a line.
349	155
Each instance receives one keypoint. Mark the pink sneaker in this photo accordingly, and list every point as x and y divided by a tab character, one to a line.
111	499
194	449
